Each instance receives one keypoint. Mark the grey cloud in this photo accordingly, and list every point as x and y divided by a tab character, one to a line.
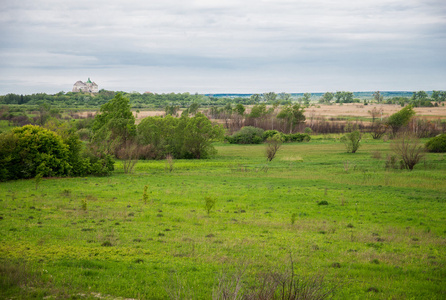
258	39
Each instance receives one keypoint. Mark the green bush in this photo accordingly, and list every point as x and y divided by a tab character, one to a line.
296	137
352	141
437	144
185	137
247	135
32	149
269	133
254	135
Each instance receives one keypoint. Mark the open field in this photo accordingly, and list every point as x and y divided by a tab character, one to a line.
382	234
335	110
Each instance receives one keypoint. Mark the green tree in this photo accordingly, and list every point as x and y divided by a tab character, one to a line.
273	145
378	97
284	97
326	98
292	115
306	98
199	134
171	109
159	133
258	111
400	119
269	97
114	125
240	109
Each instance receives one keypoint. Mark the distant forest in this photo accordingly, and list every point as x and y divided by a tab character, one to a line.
184	100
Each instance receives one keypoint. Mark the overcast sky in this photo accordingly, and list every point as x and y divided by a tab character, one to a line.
210	46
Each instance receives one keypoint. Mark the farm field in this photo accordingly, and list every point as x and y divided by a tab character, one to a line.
332	111
366	232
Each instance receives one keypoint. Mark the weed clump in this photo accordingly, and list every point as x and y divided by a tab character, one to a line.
106	244
293	218
209	204
323	202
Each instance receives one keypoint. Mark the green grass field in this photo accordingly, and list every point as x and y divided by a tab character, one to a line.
382	234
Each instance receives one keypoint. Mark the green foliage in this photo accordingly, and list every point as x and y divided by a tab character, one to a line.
269	133
247	135
437	144
344	97
292	115
183	137
198	135
32	150
273	145
293	218
84	204
145	195
400	119
114	125
308	130
209	204
254	135
326	98
296	137
352	141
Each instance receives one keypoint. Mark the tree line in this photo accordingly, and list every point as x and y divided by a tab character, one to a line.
183	100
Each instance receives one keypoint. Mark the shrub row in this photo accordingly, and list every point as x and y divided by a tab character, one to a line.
254	135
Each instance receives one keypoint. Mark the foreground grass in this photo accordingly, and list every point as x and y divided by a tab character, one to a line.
381	235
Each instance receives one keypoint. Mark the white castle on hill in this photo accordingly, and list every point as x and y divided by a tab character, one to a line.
87	87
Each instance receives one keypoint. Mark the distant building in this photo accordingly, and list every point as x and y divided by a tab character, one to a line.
87	87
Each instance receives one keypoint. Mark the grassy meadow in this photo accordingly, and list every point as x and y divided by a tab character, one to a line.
369	232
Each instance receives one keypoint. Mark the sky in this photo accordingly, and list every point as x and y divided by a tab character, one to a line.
227	46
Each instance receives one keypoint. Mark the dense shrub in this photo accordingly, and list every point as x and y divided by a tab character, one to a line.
437	144
247	135
268	134
296	137
253	135
185	137
29	150
33	150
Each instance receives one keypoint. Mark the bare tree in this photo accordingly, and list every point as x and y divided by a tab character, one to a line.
378	129
409	149
375	113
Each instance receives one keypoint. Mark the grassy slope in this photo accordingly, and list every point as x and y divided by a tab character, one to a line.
382	231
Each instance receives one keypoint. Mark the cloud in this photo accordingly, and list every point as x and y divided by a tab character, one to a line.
227	39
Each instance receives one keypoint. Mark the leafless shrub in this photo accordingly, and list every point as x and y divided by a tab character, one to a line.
285	285
424	128
149	152
409	149
230	287
177	288
169	163
392	162
129	154
376	155
376	113
378	129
